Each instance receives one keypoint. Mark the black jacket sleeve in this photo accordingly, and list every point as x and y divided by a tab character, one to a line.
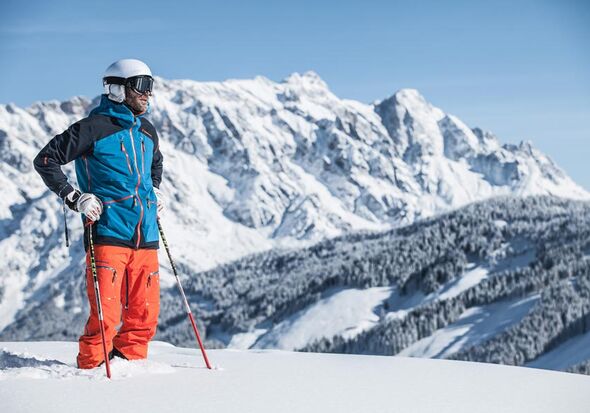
157	162
76	141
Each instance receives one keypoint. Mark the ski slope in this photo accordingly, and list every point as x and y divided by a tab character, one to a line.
345	312
348	312
473	327
41	377
573	351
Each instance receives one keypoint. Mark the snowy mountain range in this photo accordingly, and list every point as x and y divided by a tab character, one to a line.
252	165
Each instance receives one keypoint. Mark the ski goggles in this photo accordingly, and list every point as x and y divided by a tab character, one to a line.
141	84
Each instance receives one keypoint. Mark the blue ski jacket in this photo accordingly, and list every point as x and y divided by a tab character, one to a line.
117	158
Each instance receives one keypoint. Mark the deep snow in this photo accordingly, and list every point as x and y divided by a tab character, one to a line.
41	377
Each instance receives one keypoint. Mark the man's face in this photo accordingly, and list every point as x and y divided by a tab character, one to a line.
136	101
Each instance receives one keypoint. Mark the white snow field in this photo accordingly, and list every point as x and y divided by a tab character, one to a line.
474	326
345	312
573	351
41	377
348	312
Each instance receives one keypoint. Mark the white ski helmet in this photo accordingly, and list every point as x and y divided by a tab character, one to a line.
126	72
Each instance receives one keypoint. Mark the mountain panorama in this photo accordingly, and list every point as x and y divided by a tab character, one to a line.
252	166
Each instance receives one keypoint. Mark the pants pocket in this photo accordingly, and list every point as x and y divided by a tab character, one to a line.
107	280
152	298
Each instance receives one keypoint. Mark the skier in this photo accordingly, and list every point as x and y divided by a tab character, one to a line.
119	170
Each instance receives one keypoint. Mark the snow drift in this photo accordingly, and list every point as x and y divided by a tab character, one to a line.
41	377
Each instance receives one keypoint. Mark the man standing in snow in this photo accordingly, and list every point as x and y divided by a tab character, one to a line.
118	168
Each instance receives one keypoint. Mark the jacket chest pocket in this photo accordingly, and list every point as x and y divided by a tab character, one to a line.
116	154
127	159
147	153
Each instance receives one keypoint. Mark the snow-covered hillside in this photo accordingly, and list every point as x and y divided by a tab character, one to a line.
504	281
33	377
252	165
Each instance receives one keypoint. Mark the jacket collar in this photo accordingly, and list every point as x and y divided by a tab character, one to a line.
118	111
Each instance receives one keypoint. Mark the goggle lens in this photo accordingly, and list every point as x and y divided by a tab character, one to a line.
142	84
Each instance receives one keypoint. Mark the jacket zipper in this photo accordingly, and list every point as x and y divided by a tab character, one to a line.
136	189
142	157
126	156
106	267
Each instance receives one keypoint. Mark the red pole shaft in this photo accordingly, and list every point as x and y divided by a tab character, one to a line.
190	316
186	306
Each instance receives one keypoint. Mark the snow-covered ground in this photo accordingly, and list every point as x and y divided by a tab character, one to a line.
346	312
41	377
474	326
574	351
400	304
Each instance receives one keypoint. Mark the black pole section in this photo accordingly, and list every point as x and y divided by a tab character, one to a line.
98	302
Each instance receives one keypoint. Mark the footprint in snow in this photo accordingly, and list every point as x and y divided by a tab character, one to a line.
25	366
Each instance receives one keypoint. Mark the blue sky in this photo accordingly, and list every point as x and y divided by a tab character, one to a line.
518	68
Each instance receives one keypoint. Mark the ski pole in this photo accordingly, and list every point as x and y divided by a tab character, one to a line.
186	306
98	302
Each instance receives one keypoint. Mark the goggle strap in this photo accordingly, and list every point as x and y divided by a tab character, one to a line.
114	80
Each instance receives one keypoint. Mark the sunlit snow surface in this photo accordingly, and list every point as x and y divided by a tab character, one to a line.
41	377
348	312
475	325
345	312
569	353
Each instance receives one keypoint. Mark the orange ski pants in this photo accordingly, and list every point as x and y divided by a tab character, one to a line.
129	285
